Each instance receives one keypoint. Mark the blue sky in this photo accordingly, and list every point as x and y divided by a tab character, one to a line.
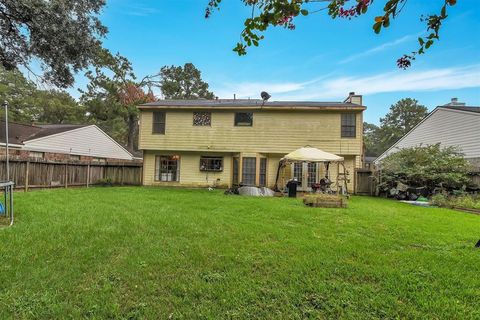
322	60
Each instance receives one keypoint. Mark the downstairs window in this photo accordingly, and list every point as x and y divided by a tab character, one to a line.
249	171
167	168
211	163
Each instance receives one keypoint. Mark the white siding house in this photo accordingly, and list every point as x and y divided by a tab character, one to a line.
63	141
451	125
84	141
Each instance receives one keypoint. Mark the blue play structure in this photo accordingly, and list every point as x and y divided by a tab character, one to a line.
6	186
6	208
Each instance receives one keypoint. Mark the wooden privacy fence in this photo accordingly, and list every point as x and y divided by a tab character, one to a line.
365	182
48	174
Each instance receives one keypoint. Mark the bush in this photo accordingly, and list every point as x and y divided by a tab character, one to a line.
107	182
465	201
429	167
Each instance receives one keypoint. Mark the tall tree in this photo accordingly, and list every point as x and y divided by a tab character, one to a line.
28	103
400	119
112	97
18	91
372	140
64	36
54	106
284	13
183	83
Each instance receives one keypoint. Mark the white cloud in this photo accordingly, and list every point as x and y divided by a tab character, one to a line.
379	48
337	88
140	10
253	89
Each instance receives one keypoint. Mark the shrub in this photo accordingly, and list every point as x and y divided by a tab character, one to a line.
431	167
107	182
465	201
440	200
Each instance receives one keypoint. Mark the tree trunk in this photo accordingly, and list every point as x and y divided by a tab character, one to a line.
132	141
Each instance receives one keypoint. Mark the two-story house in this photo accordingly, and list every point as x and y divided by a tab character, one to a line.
196	143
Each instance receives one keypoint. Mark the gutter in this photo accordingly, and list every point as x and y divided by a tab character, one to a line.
278	108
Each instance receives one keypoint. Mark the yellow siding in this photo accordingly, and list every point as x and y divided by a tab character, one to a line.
190	174
272	132
272	167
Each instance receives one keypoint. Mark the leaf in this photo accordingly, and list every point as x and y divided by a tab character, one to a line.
304	12
377	27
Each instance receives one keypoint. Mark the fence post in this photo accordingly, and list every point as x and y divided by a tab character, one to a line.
123	173
355	186
27	169
88	174
66	175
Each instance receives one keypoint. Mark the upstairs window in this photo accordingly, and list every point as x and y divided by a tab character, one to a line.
349	126
211	163
202	118
158	126
243	119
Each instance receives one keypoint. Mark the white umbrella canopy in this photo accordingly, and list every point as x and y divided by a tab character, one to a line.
310	154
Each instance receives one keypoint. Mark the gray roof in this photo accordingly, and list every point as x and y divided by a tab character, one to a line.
245	103
463	108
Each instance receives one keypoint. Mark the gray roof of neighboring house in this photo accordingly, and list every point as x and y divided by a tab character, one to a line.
18	132
246	103
462	108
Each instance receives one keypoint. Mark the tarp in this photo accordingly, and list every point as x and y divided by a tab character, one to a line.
254	191
309	154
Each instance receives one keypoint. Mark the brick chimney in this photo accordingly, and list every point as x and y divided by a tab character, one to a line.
454	103
354	98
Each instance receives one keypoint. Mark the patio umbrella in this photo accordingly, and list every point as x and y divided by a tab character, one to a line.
307	154
310	154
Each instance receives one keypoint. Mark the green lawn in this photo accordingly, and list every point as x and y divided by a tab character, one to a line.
161	253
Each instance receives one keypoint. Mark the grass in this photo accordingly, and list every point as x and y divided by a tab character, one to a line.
164	253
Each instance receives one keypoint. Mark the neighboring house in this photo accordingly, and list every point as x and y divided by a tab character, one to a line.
62	142
453	124
226	142
368	163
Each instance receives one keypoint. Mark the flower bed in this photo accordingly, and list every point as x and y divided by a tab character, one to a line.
325	201
470	203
